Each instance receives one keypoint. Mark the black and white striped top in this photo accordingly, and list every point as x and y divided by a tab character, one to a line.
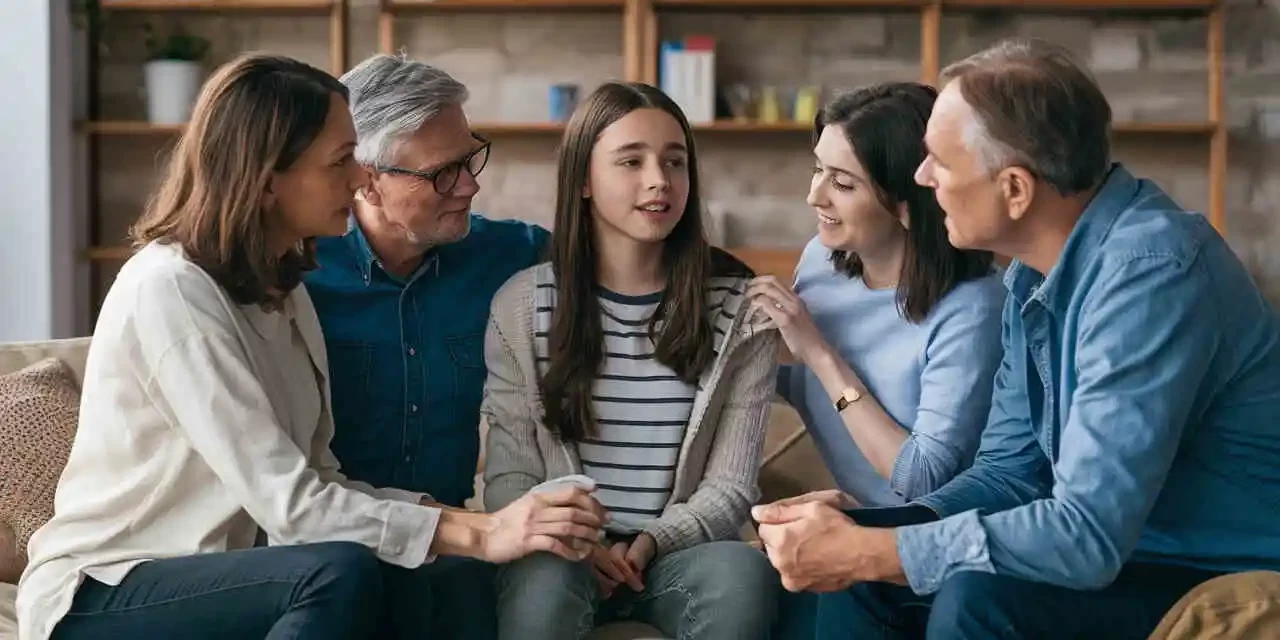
641	407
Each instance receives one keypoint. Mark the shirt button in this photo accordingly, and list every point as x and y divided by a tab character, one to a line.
413	408
412	351
408	458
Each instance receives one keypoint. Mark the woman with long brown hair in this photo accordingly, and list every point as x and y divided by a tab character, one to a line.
630	363
205	419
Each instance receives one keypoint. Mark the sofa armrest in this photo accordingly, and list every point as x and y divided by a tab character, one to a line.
1230	607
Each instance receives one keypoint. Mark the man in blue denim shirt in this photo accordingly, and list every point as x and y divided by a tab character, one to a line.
1132	450
403	299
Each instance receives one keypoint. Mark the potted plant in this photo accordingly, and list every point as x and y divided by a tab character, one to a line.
174	72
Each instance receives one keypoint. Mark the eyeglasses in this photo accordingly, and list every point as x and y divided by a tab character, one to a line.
444	178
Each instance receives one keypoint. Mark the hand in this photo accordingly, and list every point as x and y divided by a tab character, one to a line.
834	498
641	552
565	521
816	548
612	569
790	315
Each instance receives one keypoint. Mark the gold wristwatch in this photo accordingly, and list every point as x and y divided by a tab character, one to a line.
847	397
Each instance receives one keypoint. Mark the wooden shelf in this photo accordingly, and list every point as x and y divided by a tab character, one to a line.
219	5
109	254
142	128
792	126
1084	5
503	5
790	4
769	261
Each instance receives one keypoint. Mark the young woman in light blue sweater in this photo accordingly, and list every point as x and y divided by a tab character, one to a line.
894	332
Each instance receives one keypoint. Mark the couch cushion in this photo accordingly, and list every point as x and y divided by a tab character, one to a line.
39	407
72	351
1230	607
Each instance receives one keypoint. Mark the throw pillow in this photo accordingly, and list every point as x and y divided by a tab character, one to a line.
39	408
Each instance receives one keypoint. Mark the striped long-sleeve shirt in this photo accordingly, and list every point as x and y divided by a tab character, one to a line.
641	409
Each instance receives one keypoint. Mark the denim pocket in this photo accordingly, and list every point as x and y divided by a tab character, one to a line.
467	354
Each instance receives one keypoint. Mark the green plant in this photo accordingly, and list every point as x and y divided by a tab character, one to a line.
177	45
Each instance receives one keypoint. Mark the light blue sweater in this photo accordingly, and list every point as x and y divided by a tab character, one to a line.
934	378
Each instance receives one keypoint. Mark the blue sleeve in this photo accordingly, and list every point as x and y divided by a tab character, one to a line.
539	238
961	359
1145	340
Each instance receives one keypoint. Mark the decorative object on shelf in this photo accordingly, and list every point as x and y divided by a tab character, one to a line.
770	110
563	99
739	98
687	73
174	72
806	104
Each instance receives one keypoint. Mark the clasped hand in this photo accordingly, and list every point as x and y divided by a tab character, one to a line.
622	563
566	521
817	548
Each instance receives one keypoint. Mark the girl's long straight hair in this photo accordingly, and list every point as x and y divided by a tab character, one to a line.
576	338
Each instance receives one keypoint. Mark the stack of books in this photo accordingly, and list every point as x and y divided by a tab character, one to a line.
687	73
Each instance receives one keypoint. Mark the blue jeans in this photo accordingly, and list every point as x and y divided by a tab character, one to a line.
982	605
714	591
325	591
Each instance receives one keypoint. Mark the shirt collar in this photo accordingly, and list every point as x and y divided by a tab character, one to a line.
1054	290
366	259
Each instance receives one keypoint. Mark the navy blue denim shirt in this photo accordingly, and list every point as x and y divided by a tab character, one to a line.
1134	415
407	355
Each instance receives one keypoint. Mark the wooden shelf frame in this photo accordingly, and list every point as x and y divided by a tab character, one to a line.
931	63
640	43
219	5
98	255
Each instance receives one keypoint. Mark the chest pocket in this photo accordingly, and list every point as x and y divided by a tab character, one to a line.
466	352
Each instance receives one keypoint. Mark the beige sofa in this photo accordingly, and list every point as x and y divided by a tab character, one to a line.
791	464
1240	606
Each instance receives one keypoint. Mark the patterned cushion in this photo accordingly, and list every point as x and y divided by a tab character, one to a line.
39	408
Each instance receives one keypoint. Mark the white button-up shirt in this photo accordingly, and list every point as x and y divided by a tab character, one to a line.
202	421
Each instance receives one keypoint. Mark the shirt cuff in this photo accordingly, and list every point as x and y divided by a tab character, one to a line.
935	551
407	534
900	477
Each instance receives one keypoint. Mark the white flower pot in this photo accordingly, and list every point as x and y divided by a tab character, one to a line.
172	87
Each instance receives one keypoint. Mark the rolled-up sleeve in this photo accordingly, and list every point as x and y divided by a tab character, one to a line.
961	360
1147	335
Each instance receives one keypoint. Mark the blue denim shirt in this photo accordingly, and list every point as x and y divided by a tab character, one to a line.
1136	412
407	356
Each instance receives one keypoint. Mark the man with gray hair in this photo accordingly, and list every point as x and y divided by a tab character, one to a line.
403	299
1131	452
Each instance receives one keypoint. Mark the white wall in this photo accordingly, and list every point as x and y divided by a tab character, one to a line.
40	285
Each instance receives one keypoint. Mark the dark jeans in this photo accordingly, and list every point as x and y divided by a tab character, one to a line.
982	605
326	591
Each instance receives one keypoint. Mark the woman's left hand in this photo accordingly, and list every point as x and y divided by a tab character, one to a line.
641	552
790	315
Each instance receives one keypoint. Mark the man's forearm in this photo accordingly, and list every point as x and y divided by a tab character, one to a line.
987	489
460	533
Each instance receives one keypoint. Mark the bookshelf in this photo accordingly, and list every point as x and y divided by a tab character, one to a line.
639	43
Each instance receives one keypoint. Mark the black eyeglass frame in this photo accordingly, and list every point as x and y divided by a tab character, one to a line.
461	163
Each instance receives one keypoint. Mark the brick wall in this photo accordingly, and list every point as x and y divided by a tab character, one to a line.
1153	69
